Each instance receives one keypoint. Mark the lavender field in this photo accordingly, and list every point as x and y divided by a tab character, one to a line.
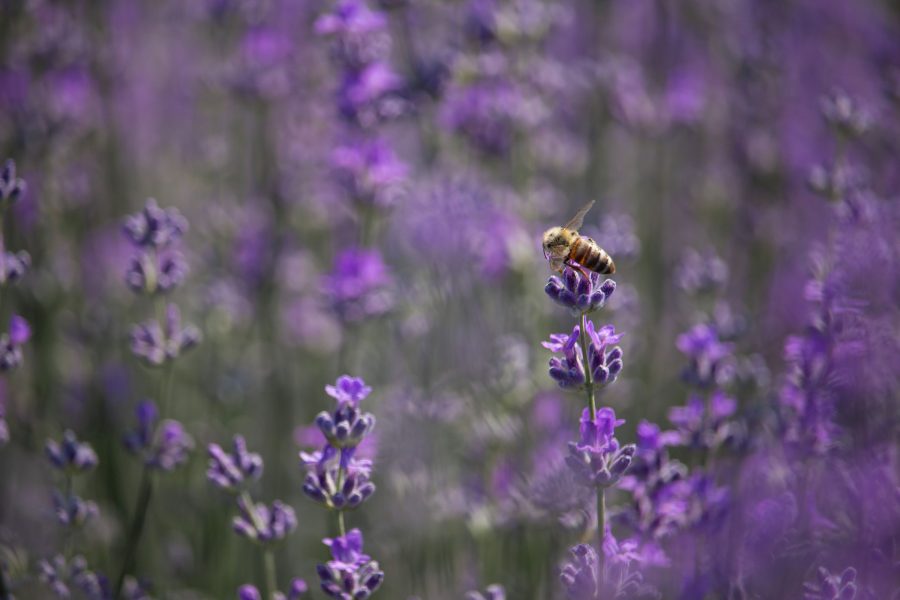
296	300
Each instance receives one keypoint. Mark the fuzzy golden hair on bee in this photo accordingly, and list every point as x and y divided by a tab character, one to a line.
563	246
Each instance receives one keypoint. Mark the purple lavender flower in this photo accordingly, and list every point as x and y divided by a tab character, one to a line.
493	592
358	286
12	188
579	293
324	473
229	470
350	574
156	272
161	445
61	576
13	265
701	272
831	587
261	523
358	33
348	390
707	355
155	227
581	576
370	171
597	459
704	424
156	345
72	510
297	591
11	355
70	455
568	370
605	365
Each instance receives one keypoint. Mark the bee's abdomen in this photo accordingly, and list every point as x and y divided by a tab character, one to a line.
589	255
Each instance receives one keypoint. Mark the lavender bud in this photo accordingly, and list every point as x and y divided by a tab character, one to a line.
12	188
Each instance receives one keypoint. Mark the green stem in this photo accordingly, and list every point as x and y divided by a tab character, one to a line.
271	579
136	528
342	529
588	380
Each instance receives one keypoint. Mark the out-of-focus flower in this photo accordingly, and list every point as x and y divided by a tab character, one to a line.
581	575
493	592
161	445
153	272
70	455
844	114
324	483
297	591
11	343
704	424
264	524
13	265
12	188
229	470
579	293
61	576
597	459
701	272
156	345
831	586
358	33
706	352
350	574
4	427
72	510
155	227
359	285
370	171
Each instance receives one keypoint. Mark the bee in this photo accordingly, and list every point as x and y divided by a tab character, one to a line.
563	246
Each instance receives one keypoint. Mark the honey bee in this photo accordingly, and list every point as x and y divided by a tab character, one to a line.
563	246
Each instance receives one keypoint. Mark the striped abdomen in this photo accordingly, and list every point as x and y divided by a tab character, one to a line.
589	255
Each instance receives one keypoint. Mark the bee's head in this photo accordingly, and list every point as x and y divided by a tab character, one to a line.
555	238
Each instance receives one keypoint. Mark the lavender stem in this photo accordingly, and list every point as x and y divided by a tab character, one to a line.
269	566
588	380
136	528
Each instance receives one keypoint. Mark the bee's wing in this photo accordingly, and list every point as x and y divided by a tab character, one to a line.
578	219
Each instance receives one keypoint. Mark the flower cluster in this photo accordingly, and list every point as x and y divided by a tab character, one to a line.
358	286
350	574
162	445
336	478
578	292
831	586
605	363
158	266
586	577
230	470
158	344
708	355
597	459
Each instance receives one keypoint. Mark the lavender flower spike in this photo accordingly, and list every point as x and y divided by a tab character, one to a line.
578	292
347	426
567	370
323	475
832	587
228	471
70	455
350	575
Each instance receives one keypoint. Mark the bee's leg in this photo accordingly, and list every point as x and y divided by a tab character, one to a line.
582	270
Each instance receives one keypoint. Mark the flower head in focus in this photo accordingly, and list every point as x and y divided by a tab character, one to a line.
350	574
597	459
578	292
